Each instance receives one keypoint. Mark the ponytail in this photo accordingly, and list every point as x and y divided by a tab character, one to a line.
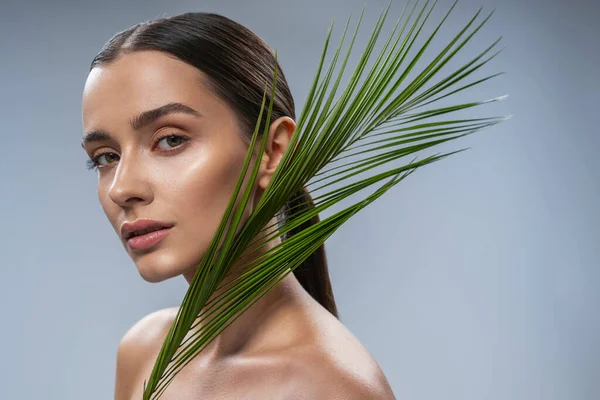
312	274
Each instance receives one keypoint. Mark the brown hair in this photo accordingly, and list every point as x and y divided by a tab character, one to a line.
237	64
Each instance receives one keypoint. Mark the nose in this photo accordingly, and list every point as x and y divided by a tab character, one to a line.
130	184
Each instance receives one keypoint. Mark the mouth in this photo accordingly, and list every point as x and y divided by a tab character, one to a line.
144	233
145	239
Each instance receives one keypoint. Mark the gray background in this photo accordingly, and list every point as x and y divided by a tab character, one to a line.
476	278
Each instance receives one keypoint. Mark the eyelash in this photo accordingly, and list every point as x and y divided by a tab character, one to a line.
92	163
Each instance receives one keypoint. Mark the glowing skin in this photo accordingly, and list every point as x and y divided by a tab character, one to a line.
286	341
187	181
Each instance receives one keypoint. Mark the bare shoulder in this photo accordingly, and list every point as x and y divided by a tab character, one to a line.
328	363
149	329
340	366
137	348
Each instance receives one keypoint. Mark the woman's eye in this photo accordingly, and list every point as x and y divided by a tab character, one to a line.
105	159
172	141
108	157
101	160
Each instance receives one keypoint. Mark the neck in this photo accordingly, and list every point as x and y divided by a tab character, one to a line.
245	330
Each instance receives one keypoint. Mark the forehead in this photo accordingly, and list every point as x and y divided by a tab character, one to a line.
140	81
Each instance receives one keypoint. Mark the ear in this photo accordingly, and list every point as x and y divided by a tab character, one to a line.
279	136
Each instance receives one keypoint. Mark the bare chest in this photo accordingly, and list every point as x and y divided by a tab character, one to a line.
260	379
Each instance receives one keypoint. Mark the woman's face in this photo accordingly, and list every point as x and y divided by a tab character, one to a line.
179	166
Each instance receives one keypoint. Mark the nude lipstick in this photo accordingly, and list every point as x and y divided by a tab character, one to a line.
144	233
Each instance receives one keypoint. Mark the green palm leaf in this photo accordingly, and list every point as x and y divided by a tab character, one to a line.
369	124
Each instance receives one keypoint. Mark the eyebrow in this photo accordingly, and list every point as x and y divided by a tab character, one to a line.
142	120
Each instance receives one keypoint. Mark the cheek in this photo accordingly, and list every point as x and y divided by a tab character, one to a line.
201	187
200	191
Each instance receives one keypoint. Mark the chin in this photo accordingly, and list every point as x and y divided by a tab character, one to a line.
153	276
154	268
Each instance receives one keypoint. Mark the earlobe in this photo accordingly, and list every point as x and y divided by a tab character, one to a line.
279	136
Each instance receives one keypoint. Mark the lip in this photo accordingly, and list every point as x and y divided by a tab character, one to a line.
148	240
128	228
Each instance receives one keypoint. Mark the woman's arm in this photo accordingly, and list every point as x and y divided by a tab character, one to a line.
138	346
342	384
126	368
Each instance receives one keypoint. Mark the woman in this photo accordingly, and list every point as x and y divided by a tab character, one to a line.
169	107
